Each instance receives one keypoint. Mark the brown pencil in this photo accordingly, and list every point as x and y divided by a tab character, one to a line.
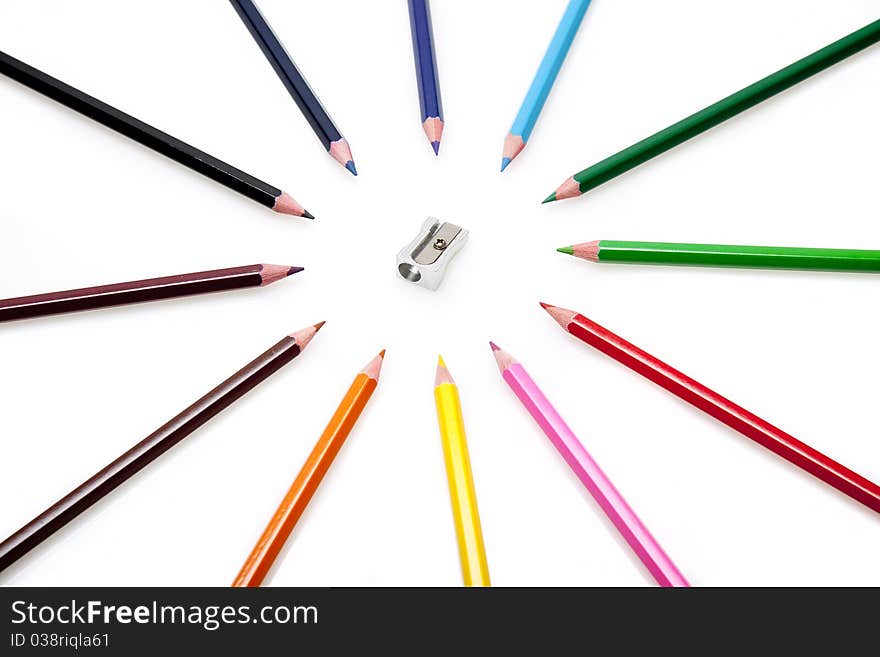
151	447
260	560
150	289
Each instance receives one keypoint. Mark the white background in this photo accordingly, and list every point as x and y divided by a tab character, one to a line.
81	205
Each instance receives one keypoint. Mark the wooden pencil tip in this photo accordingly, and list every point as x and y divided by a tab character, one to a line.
350	166
307	214
433	127
550	198
271	273
503	359
563	316
442	376
286	204
566	250
374	367
513	145
305	335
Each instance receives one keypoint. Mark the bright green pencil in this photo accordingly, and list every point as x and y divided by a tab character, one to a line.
711	116
726	255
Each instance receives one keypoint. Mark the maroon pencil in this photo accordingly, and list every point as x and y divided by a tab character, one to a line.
150	289
151	447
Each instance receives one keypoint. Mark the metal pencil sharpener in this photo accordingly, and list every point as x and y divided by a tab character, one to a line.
424	260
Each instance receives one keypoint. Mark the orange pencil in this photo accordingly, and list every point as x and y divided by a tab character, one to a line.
309	478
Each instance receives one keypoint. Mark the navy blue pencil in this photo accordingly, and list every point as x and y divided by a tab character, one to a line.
296	84
426	71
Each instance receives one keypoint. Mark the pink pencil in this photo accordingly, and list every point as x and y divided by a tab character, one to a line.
586	469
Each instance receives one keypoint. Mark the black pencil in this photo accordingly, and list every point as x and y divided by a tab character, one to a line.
295	83
153	446
151	137
150	289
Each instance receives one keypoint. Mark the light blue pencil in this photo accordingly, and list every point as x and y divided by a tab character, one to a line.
545	77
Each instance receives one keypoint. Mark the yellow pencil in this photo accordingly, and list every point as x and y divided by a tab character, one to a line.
474	567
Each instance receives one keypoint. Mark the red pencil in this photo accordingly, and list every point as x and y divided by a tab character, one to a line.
724	410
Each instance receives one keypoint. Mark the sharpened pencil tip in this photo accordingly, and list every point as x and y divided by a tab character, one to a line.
436	146
545	306
442	375
494	346
294	270
350	166
566	249
550	198
319	325
307	214
504	162
382	353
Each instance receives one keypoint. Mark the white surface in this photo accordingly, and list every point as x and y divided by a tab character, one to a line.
82	206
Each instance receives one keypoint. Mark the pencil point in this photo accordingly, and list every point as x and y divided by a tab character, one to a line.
566	249
513	145
307	214
433	127
373	368
286	204
442	376
504	162
550	198
271	273
340	151
503	359
569	189
563	316
585	251
305	335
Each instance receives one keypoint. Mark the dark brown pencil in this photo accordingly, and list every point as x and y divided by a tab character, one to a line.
150	289
151	447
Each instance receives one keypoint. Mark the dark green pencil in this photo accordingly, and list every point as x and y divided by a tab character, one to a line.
711	116
726	255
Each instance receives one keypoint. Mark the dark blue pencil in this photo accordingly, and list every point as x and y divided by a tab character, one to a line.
296	84
426	71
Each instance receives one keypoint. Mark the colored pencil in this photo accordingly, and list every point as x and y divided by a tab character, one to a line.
152	138
710	402
588	471
150	289
153	446
295	83
543	81
726	255
716	113
426	71
466	515
261	558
